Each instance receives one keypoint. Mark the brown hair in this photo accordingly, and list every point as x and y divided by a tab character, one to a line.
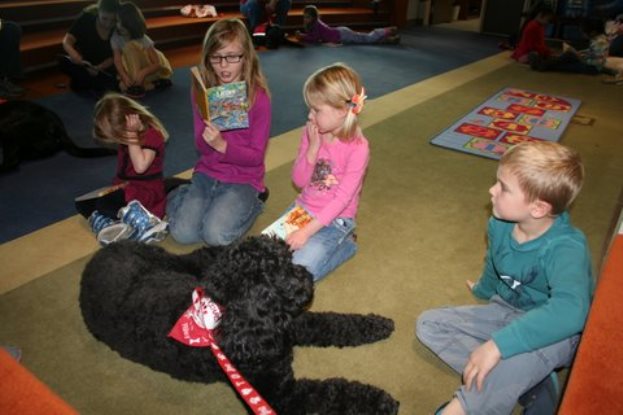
132	20
311	11
335	85
219	35
109	124
546	171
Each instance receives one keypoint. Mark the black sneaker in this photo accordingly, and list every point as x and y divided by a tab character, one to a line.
542	399
135	91
162	83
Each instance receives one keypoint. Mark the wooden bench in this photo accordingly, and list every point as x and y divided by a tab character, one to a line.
45	22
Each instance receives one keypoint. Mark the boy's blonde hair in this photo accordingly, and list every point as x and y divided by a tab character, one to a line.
335	85
546	171
109	124
219	35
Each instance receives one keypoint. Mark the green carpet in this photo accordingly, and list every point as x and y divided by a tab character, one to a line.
421	233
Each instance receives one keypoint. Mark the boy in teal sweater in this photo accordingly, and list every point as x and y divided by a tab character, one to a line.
538	281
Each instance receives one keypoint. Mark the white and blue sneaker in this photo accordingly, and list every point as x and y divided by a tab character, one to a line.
146	226
108	230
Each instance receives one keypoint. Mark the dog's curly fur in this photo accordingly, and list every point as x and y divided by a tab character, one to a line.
132	295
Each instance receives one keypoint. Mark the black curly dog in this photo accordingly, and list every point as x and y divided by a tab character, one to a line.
132	295
30	131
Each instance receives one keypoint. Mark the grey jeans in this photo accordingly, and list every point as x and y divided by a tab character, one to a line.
452	333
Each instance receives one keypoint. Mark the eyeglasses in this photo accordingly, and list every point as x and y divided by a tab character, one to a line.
217	59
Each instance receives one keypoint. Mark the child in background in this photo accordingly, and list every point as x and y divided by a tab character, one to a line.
329	169
317	31
227	191
538	281
139	181
615	37
141	67
88	60
533	37
591	61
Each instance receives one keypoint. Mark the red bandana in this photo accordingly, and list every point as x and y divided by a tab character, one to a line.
194	329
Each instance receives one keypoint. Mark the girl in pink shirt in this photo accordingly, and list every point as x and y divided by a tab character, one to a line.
329	170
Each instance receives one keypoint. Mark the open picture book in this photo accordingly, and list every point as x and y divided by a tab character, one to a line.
293	220
225	106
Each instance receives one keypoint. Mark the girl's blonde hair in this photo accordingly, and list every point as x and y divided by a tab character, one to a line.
218	36
109	124
546	171
336	85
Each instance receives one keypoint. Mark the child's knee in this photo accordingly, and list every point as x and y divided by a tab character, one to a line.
424	326
183	233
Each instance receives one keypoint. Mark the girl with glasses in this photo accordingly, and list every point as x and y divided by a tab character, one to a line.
227	190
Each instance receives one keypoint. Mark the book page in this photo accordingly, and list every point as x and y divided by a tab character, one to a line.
293	220
199	93
228	106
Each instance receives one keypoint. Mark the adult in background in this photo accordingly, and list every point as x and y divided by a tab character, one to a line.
10	64
89	60
260	11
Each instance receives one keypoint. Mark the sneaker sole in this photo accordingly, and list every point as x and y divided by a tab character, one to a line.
114	233
157	233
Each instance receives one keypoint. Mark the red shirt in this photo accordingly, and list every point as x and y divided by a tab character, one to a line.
532	40
148	187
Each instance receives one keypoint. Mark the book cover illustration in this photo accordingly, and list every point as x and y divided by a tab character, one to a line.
293	220
226	106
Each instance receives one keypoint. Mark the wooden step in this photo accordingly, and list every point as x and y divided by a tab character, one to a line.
39	49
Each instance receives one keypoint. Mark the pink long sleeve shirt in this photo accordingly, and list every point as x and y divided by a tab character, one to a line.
243	161
332	185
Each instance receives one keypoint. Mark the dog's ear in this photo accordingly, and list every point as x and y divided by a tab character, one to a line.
261	291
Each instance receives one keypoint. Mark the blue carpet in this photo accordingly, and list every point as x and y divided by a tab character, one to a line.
42	192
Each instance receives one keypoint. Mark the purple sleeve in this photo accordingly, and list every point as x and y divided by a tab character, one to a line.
251	152
320	32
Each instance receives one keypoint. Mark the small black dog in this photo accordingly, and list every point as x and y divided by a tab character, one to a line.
132	295
30	131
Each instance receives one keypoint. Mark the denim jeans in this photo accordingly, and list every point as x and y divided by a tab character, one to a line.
328	248
211	211
255	13
570	62
452	333
348	35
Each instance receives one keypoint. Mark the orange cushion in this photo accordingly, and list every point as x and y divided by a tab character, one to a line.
22	393
596	381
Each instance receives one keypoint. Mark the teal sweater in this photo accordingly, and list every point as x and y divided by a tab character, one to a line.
549	277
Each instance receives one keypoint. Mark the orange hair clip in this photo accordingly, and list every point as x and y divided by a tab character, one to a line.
357	101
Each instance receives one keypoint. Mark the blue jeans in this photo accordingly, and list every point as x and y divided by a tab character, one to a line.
570	62
328	248
348	35
255	12
452	333
211	211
